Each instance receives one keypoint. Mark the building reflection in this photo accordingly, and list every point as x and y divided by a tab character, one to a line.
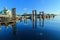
14	28
20	19
13	25
6	26
0	28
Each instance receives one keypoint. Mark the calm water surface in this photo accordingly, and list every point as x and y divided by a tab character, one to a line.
48	29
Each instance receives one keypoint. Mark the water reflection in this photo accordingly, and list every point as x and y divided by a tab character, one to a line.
13	25
34	21
25	21
41	21
14	28
41	33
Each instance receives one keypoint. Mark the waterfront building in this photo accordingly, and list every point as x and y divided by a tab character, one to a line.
5	15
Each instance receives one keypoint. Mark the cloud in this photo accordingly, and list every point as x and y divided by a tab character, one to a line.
25	9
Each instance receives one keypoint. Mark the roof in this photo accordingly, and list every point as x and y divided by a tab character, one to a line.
4	11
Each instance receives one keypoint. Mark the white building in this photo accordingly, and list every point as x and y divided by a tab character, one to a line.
5	15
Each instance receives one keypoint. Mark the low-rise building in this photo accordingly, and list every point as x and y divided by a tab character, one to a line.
5	15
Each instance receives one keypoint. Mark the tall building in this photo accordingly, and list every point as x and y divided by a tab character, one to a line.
13	13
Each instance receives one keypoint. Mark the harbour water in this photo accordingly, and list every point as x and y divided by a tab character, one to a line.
48	29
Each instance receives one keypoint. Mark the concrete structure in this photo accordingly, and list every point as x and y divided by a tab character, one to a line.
14	13
34	18
6	15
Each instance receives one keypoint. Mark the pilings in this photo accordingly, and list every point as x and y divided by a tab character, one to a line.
41	19
34	18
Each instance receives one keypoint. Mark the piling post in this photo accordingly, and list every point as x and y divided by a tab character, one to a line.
34	18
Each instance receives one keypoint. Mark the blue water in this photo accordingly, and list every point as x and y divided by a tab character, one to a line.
21	31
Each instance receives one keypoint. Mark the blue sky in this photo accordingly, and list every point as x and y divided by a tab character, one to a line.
49	6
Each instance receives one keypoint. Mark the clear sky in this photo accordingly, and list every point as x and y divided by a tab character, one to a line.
49	6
